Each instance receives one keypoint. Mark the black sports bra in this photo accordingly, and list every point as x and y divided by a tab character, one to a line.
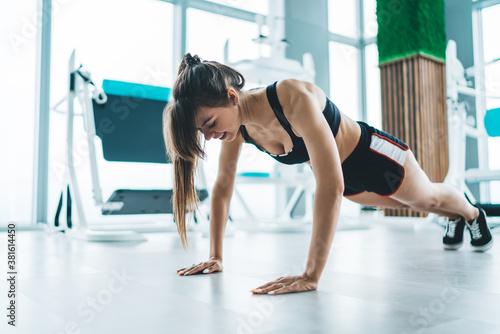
298	154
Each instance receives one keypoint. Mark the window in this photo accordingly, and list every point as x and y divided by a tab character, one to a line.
490	33
370	16
127	40
343	17
208	40
344	88
347	70
17	126
257	6
373	97
491	26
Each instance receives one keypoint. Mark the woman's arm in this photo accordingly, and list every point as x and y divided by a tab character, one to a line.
222	193
307	118
304	112
219	213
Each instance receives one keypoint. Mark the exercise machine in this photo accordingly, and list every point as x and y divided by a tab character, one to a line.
126	118
465	121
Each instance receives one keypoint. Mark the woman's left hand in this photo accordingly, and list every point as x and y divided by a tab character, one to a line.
287	284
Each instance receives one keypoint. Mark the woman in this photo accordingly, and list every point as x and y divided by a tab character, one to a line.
295	122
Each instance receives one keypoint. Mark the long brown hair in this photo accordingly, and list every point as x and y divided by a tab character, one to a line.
198	84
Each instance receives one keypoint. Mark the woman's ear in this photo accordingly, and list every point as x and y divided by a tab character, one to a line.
233	95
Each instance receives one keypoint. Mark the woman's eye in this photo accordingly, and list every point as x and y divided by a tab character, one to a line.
212	125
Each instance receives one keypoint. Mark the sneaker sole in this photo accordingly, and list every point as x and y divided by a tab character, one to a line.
452	246
483	248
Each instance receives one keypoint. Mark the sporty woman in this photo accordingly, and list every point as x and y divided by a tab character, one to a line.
294	122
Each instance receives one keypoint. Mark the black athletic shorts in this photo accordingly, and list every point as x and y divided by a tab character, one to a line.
376	164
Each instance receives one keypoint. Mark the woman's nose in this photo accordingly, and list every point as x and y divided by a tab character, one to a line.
209	135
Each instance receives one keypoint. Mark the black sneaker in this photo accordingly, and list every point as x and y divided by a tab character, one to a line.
454	236
481	239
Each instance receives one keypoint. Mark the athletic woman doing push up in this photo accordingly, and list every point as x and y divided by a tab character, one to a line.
294	122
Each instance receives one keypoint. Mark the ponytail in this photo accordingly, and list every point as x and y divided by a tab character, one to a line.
198	84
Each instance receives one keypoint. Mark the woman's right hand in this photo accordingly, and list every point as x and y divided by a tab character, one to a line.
207	267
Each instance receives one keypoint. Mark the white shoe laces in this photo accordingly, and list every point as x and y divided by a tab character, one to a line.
474	228
452	226
451	229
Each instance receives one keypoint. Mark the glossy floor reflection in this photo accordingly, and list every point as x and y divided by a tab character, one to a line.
392	278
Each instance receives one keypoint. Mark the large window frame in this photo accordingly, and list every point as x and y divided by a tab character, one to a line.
40	189
42	104
360	43
180	20
42	114
479	74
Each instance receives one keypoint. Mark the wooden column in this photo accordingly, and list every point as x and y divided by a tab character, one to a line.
414	110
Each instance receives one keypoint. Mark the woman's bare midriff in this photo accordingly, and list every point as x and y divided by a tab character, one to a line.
348	136
348	130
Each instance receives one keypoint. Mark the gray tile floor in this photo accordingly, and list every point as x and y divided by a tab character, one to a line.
392	278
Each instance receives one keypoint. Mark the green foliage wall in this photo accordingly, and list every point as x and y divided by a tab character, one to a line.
406	27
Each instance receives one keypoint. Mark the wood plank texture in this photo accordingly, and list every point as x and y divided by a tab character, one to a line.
414	110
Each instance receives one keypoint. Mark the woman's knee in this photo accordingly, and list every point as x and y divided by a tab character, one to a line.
428	200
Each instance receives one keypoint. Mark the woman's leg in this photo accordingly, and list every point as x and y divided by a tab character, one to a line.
371	199
418	192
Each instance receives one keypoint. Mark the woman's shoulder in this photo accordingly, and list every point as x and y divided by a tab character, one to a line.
295	85
290	91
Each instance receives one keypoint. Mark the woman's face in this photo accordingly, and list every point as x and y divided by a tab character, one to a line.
219	122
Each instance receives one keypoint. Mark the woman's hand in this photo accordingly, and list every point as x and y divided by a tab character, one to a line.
207	267
287	284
